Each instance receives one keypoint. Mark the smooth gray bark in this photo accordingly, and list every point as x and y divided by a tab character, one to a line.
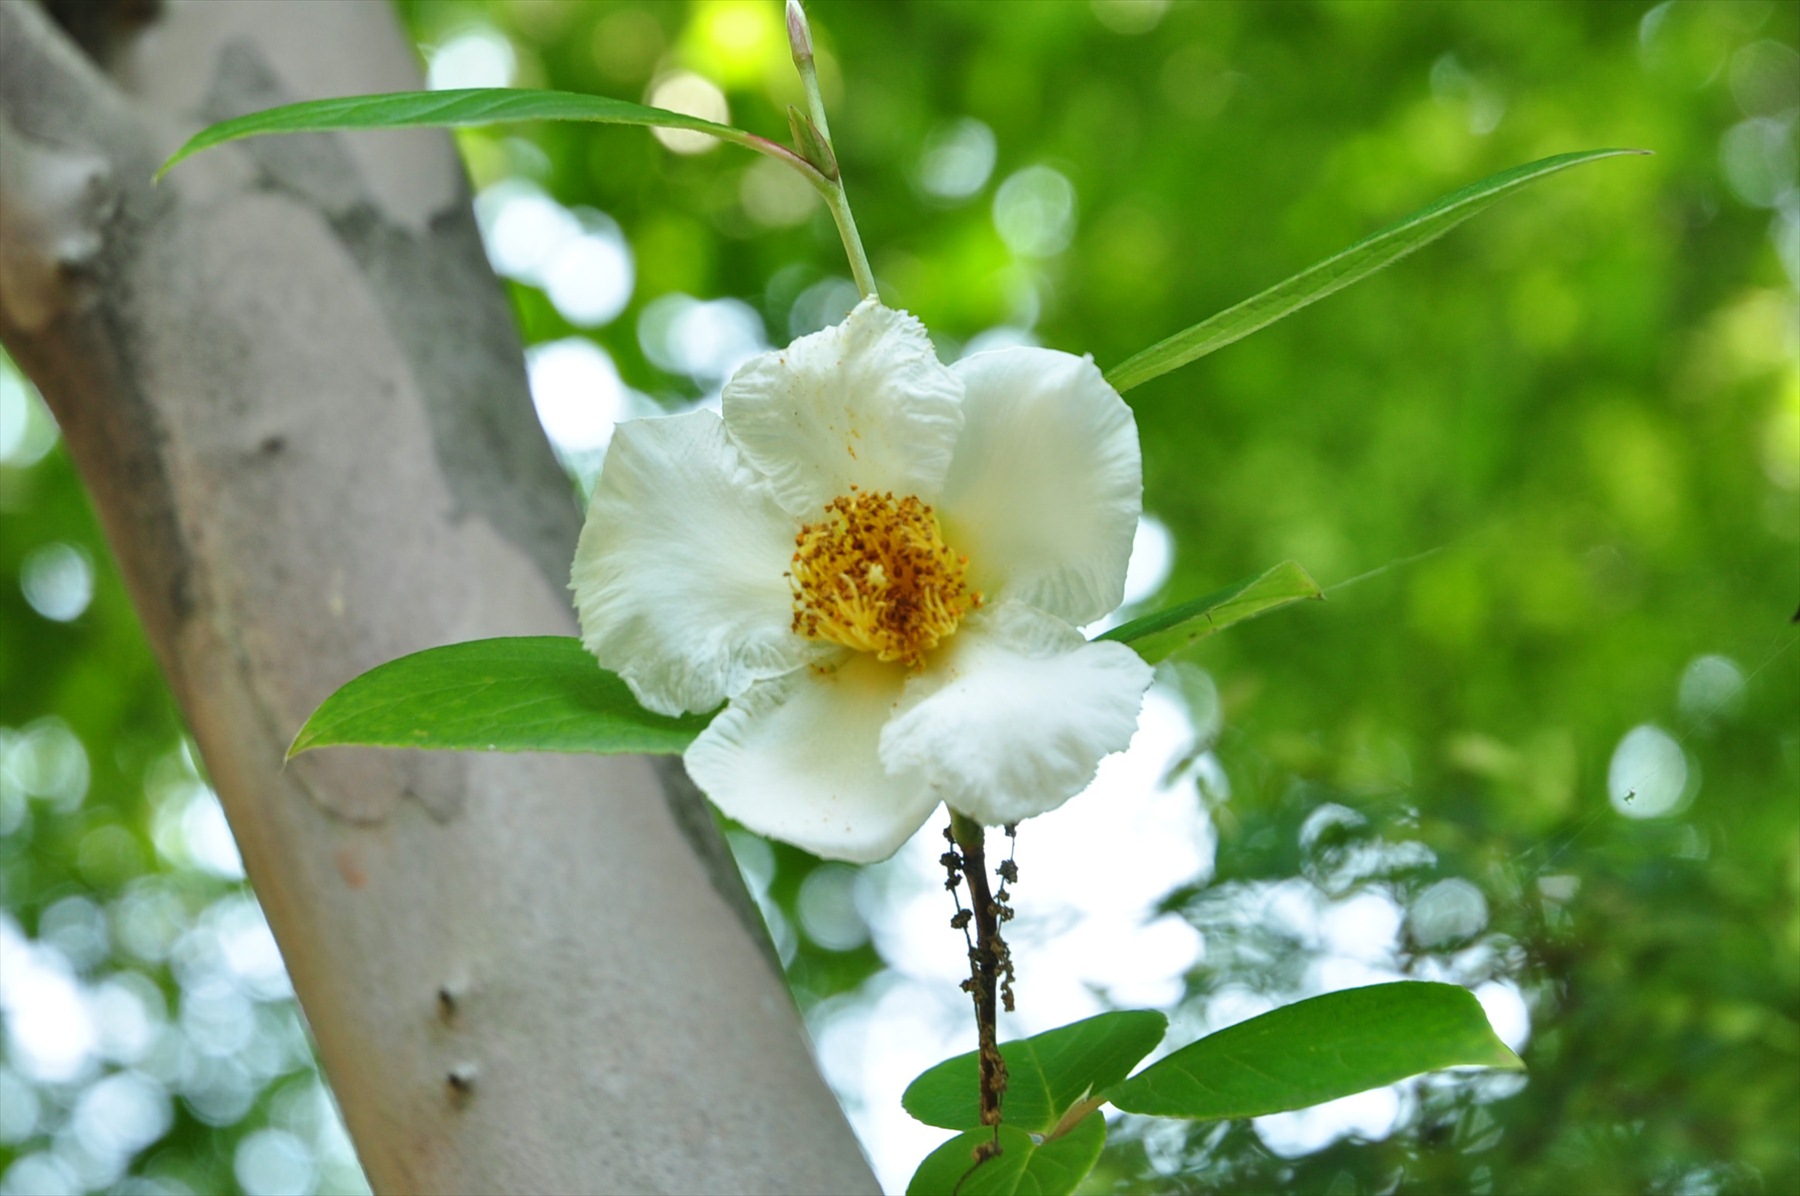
294	390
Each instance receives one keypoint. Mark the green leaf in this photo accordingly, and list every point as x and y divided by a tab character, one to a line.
1026	1168
1318	1050
1158	636
1047	1072
442	109
1335	273
951	1167
527	694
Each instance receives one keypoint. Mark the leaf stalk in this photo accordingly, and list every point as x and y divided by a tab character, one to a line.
830	186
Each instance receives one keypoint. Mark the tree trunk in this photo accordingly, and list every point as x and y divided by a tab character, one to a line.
294	390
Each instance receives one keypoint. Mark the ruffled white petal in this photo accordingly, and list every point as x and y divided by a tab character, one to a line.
864	403
1012	718
1045	490
796	759
679	574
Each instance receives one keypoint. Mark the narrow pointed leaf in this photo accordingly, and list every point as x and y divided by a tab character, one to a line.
1047	1072
814	146
1026	1168
1339	271
443	109
1160	635
524	694
1318	1050
1060	1164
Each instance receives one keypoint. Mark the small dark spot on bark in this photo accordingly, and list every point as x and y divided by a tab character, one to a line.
460	1083
272	445
446	1003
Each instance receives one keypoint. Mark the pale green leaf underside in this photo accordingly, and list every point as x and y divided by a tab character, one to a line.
523	694
1160	635
1026	1168
1047	1072
1319	1050
441	109
1339	271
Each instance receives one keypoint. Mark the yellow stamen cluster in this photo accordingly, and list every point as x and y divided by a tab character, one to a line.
875	575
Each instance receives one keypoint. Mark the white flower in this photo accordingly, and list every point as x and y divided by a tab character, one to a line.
880	562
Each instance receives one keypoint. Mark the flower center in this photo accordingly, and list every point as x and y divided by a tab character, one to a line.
876	575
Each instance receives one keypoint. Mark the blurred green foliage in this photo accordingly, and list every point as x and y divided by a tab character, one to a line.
1584	406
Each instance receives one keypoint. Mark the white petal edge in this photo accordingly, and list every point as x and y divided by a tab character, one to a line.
1014	716
797	759
679	576
863	403
1046	487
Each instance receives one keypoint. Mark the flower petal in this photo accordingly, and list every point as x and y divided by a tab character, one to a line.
863	403
797	759
1047	484
1014	716
679	577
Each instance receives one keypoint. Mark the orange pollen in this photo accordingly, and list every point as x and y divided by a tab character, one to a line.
876	575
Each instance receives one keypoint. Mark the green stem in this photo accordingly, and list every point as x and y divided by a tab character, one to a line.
780	153
839	204
832	188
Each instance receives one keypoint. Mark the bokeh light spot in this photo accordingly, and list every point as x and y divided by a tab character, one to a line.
577	392
957	159
1757	157
58	581
1506	1012
50	1034
827	908
1370	1116
1450	911
1648	776
821	305
1711	689
1034	212
26	430
736	41
704	339
121	1114
19	1107
590	279
775	196
1152	556
1130	17
190	830
271	1162
41	1174
479	56
45	760
521	227
690	95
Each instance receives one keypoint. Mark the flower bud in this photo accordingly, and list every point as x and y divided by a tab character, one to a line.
799	34
812	144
